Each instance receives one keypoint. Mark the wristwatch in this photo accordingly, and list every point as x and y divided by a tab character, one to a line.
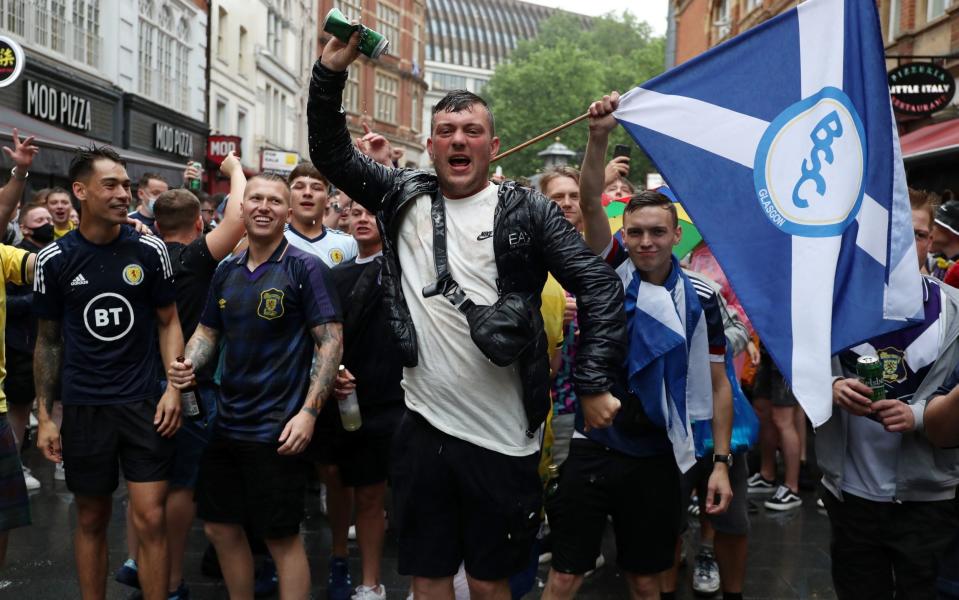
726	459
16	175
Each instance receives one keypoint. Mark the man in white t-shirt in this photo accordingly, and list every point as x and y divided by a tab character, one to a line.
464	462
308	198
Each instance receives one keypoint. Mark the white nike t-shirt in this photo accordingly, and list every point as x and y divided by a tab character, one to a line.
454	386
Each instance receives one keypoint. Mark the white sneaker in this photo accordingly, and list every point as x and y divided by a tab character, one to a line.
365	592
32	482
59	473
706	573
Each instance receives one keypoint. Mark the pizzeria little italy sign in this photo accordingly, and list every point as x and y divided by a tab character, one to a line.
48	103
921	88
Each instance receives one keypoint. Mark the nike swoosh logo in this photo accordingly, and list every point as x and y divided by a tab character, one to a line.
484	236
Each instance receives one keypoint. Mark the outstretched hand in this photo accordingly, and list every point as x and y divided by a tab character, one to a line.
601	120
375	146
23	152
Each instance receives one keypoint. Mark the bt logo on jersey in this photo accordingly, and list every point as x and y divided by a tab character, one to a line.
108	316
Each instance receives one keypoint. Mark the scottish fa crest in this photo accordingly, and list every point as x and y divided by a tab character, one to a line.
810	166
271	304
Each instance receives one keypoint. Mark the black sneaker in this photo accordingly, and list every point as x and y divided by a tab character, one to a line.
758	485
783	499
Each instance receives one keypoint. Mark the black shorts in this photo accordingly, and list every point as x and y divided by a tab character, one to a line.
771	384
457	502
363	456
18	384
642	496
735	521
98	440
249	484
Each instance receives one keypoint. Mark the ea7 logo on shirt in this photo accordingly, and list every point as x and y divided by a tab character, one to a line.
133	274
108	317
271	304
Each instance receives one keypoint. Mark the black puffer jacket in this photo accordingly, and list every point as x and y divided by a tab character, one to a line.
530	238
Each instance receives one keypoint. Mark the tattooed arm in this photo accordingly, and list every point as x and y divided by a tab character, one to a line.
326	360
200	351
47	358
327	353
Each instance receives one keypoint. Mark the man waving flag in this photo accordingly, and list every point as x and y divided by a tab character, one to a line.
782	147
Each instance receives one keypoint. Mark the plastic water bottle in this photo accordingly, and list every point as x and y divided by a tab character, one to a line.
349	409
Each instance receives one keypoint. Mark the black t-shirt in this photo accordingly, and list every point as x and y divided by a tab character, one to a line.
193	269
368	349
106	296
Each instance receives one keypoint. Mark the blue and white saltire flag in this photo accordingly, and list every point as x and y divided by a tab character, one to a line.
782	147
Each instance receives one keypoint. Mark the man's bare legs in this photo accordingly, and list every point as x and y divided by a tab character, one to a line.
731	558
292	567
768	438
481	589
148	510
432	588
339	509
562	586
784	418
180	510
236	560
370	529
90	545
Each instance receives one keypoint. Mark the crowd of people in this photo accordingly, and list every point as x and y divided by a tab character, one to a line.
527	377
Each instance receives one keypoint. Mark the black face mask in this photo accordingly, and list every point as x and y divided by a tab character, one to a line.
43	234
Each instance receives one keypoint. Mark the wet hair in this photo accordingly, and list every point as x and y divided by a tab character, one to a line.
458	101
306	169
147	177
649	198
81	166
924	201
556	173
176	210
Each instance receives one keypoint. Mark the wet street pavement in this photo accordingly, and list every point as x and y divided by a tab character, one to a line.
788	553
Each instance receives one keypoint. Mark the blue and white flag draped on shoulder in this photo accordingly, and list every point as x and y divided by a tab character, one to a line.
782	147
667	365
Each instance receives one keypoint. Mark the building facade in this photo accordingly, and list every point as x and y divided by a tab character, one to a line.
129	74
260	55
466	40
386	93
915	32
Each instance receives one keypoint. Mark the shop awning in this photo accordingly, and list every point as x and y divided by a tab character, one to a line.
57	146
931	140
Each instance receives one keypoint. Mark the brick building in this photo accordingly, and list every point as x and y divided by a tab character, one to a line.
386	93
915	31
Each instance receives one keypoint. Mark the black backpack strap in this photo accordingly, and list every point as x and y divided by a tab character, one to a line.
444	284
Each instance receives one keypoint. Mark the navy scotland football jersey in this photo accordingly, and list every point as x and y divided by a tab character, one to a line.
265	318
106	297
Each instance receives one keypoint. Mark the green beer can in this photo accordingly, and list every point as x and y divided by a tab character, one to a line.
372	43
869	370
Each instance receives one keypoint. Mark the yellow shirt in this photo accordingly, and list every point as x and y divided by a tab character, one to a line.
13	269
59	233
554	305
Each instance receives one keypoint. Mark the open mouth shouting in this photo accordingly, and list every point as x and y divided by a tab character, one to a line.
459	163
